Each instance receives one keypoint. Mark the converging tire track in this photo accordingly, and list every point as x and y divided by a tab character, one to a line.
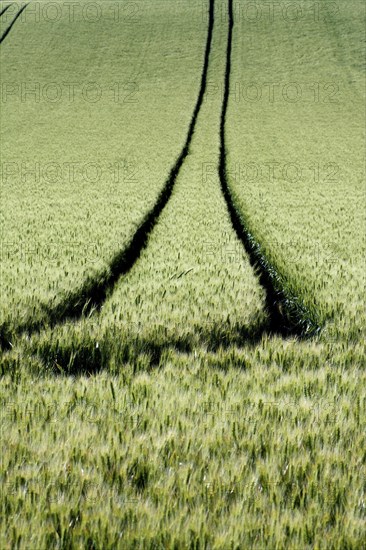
288	316
192	290
6	32
94	291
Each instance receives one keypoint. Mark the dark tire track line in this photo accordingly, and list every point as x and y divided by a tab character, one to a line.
287	314
94	292
6	32
4	9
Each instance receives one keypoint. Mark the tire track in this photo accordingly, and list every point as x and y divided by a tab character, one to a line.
4	9
288	315
94	292
6	32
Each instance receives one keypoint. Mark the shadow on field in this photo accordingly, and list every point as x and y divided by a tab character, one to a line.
6	32
93	293
89	352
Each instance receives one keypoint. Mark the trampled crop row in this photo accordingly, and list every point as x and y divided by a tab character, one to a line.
4	9
6	27
78	177
184	291
303	215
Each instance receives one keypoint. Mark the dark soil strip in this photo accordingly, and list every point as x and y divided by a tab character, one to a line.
288	316
4	9
5	33
95	291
